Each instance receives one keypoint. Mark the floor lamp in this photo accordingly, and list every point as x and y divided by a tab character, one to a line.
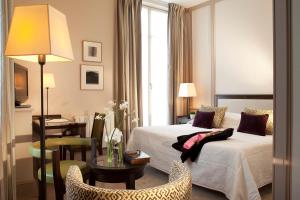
187	90
39	33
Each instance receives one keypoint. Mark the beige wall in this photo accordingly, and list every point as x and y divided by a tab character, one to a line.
88	20
244	49
202	56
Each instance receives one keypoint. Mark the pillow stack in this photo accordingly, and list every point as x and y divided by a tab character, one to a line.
209	117
219	114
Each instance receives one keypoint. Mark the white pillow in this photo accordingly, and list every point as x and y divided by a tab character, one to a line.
231	120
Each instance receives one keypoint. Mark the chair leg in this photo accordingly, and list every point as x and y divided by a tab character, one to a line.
85	178
59	185
64	154
83	153
72	155
59	193
40	189
61	152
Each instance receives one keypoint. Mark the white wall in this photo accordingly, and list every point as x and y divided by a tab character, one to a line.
88	20
244	49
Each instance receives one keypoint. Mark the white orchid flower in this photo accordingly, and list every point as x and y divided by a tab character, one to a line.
115	135
123	105
99	117
135	120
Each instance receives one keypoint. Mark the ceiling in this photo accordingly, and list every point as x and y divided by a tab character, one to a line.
186	3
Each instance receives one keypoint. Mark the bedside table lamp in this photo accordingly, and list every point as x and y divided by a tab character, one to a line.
49	83
187	90
39	33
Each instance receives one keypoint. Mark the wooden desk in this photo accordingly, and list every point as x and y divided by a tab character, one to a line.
65	128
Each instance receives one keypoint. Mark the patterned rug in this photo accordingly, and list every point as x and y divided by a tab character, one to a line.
151	178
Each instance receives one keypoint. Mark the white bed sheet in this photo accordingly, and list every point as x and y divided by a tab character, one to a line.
236	167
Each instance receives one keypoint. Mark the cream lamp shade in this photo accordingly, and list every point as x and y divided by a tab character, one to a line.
187	90
39	30
49	80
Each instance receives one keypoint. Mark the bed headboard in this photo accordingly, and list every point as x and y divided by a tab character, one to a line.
237	102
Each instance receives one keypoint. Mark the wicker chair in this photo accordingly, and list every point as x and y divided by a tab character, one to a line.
178	188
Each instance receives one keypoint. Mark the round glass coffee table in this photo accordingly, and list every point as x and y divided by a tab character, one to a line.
114	172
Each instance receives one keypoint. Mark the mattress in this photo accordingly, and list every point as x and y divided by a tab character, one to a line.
236	167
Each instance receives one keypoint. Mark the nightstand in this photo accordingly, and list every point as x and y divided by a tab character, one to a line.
182	119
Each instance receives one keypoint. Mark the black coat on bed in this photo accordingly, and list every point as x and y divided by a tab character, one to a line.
196	148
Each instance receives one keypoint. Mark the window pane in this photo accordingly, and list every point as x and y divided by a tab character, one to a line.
145	80
154	69
158	68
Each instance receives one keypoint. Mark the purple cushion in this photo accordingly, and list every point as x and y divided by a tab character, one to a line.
253	124
204	119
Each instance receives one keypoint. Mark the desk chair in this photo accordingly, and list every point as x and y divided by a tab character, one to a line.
97	133
56	169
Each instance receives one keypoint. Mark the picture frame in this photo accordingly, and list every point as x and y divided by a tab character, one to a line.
92	51
92	77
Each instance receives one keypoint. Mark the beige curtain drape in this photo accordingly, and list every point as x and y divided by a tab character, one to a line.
128	67
180	56
7	138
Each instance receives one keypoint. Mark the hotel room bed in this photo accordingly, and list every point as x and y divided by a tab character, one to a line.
236	167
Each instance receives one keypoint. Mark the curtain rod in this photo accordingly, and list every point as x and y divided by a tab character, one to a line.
206	3
156	4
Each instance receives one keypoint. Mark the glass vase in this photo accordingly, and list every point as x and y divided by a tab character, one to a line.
120	152
110	151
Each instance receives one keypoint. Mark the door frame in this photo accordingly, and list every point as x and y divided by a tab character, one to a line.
282	144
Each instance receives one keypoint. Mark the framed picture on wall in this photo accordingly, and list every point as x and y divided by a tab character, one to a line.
92	51
92	77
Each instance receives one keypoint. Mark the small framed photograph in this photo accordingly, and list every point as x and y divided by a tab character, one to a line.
92	77
92	51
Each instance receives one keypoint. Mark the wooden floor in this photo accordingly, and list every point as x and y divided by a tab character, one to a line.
151	178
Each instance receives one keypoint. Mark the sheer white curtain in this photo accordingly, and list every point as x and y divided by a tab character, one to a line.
154	66
7	138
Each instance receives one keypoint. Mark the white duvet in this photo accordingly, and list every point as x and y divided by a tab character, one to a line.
236	167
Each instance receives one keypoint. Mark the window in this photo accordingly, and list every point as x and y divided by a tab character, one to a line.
154	66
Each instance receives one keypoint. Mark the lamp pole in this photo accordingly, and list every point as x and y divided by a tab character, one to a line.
47	116
187	106
43	186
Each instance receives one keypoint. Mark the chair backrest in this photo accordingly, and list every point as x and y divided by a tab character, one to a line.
97	130
178	188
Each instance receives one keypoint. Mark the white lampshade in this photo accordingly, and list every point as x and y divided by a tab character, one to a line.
49	80
187	90
39	30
